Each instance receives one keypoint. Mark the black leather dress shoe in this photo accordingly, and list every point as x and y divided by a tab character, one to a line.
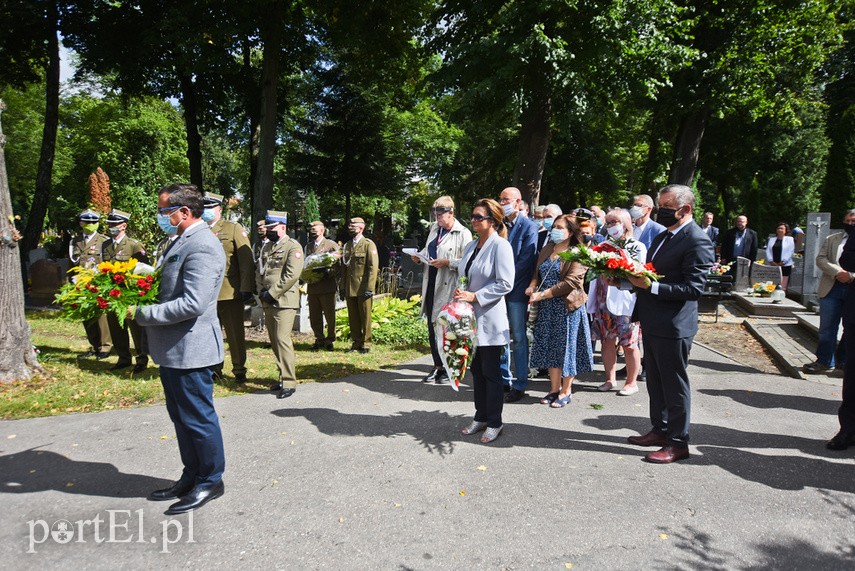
140	366
330	347
196	498
363	350
351	350
87	354
102	355
514	395
240	378
841	441
276	387
173	492
120	365
431	376
285	393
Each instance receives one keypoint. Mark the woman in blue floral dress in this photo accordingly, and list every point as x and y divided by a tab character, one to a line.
562	342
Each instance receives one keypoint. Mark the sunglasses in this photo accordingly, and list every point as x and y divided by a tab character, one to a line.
478	218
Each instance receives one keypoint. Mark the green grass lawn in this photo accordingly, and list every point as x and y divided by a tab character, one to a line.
73	384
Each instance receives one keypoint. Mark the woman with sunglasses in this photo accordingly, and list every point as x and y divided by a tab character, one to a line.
444	248
488	264
562	341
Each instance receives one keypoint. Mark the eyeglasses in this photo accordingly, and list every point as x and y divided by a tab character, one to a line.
506	200
478	218
166	209
613	222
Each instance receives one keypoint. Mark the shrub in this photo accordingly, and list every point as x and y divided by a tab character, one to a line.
394	321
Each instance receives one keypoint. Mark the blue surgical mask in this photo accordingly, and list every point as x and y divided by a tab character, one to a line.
547	223
509	208
636	212
208	215
557	235
166	225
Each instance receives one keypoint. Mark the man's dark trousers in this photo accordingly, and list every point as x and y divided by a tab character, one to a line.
666	361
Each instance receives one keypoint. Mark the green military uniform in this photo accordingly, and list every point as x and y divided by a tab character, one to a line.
239	279
360	262
85	251
278	275
122	251
321	296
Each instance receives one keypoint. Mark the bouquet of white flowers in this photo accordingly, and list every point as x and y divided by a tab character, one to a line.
316	266
455	331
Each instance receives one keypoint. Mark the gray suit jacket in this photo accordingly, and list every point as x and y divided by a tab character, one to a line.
826	261
491	278
183	329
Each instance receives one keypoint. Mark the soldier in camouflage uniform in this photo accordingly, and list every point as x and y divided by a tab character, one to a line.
121	248
238	282
279	270
85	251
360	260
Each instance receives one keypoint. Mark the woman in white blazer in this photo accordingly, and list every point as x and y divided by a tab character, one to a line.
444	248
488	264
611	308
779	252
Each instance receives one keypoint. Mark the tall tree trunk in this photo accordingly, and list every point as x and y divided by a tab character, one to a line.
653	162
17	359
251	104
41	197
191	123
271	35
688	146
534	143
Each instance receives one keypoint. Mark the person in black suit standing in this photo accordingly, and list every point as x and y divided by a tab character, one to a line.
668	312
845	437
739	241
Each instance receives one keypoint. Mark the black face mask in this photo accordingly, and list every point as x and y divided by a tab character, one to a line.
849	229
272	235
667	217
588	239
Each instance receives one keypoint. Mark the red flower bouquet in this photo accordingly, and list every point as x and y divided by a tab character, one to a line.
455	330
610	260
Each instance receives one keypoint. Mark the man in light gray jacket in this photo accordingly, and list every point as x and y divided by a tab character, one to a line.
184	338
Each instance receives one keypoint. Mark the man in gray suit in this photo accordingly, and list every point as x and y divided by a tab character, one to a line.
184	338
833	284
668	312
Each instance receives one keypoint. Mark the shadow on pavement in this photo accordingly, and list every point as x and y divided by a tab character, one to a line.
758	399
724	367
39	470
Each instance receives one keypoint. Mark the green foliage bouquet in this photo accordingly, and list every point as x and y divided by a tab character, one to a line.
317	266
111	286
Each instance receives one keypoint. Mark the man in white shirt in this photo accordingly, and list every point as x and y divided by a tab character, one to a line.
645	228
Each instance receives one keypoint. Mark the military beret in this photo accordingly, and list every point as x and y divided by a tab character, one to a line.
89	215
211	200
118	217
275	217
356	220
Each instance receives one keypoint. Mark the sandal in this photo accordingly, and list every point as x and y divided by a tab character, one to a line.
562	402
474	427
549	399
490	435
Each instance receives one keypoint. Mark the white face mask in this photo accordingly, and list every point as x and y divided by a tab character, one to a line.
509	208
636	212
615	231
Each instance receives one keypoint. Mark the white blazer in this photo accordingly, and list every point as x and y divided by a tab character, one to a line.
491	278
788	248
618	301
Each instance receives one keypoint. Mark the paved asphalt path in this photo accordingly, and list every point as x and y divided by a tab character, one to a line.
371	472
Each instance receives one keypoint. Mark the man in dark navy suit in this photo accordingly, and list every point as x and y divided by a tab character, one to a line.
845	437
668	312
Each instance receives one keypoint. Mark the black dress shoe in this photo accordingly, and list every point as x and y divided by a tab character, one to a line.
173	492
240	378
102	355
363	350
841	441
330	347
140	366
285	393
196	498
120	365
87	354
642	375
431	376
315	347
351	350
514	395
276	387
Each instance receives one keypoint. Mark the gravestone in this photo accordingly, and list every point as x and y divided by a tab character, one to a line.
742	274
817	230
762	274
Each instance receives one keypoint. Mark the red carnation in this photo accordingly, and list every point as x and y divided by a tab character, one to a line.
102	303
115	293
74	306
612	264
119	278
649	266
142	283
142	293
149	278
